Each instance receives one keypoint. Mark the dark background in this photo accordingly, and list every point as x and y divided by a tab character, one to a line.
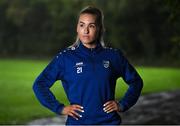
148	32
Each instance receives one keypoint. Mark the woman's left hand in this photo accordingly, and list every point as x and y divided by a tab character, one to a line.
111	106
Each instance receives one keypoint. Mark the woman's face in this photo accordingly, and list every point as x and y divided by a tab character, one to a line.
87	29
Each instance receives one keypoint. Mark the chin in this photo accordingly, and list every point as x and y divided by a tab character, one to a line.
87	42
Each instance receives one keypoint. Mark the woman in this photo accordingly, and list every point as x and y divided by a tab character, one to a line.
88	72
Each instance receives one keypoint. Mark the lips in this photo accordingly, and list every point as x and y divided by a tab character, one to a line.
85	36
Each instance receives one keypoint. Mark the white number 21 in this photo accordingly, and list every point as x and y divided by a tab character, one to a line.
79	70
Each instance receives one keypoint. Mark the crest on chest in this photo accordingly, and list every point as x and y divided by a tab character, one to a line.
106	63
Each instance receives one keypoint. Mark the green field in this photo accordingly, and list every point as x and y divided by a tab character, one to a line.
19	105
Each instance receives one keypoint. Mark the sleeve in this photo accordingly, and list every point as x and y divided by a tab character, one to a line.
41	87
132	78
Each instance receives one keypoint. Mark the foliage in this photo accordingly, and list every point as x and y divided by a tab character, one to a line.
144	29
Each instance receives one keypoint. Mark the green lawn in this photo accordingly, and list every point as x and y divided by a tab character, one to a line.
19	105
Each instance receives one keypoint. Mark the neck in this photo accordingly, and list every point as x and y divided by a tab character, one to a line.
90	45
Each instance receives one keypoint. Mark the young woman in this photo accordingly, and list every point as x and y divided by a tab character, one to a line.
88	71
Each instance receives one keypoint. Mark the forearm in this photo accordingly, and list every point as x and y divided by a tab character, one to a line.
45	96
132	95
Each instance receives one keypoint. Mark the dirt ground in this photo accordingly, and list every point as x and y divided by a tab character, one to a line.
158	108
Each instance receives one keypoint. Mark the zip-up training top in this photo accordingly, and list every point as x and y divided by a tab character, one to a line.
89	79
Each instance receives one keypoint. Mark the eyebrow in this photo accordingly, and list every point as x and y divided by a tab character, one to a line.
84	23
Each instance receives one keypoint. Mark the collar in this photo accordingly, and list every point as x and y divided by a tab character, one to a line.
90	50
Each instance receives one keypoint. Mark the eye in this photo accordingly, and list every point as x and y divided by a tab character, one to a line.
81	25
92	26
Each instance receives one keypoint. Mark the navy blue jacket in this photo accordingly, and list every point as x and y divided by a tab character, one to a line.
89	79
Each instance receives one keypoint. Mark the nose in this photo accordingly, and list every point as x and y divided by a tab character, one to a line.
86	30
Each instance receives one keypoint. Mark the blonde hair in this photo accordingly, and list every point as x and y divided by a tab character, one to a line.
99	21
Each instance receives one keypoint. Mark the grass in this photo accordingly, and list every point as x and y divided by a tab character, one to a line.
19	105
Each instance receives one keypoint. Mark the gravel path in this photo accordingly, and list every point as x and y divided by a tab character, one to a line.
157	108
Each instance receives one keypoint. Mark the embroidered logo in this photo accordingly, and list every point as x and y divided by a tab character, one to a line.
106	63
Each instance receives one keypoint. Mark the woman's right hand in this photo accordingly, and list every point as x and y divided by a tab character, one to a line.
71	110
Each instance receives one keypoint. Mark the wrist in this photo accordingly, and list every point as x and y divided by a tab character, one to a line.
120	106
61	110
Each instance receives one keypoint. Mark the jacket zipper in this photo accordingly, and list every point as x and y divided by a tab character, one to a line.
92	59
